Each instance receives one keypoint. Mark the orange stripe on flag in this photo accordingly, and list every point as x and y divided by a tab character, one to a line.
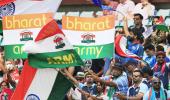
26	78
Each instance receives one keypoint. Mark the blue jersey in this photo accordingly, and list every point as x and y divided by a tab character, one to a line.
136	49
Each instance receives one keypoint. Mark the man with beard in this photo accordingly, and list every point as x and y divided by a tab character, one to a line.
161	69
137	90
88	86
135	39
116	81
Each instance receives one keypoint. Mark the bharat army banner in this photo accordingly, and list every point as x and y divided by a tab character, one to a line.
19	29
92	38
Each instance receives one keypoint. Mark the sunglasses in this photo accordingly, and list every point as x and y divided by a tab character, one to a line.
161	57
156	82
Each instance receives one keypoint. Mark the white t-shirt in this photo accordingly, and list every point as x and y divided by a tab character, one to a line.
146	11
125	8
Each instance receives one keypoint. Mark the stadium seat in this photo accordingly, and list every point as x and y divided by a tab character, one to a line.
163	12
167	21
87	14
130	23
73	13
99	13
147	22
58	15
118	23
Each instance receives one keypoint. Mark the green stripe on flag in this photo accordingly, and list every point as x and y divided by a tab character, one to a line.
60	88
59	59
95	52
14	51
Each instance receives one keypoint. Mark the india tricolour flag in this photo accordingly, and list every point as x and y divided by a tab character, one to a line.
92	38
41	84
51	49
19	29
15	7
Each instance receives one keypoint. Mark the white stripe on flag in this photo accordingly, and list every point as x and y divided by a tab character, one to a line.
42	83
40	46
101	37
11	37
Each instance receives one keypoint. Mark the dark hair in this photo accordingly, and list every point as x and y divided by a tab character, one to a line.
137	14
118	66
5	82
148	70
168	38
150	47
156	17
138	70
159	48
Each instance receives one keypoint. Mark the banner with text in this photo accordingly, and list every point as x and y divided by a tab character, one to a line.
19	29
92	38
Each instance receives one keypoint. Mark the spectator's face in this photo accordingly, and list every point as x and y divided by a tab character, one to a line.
155	20
137	77
160	59
89	79
99	87
149	52
162	35
137	20
80	79
116	72
9	65
156	83
4	85
130	68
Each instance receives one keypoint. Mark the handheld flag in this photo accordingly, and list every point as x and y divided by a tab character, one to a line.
41	84
121	49
51	49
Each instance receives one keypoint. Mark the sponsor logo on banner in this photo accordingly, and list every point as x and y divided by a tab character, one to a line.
26	35
32	97
59	42
7	10
88	38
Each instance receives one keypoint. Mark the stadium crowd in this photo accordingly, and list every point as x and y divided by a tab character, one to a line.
117	78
